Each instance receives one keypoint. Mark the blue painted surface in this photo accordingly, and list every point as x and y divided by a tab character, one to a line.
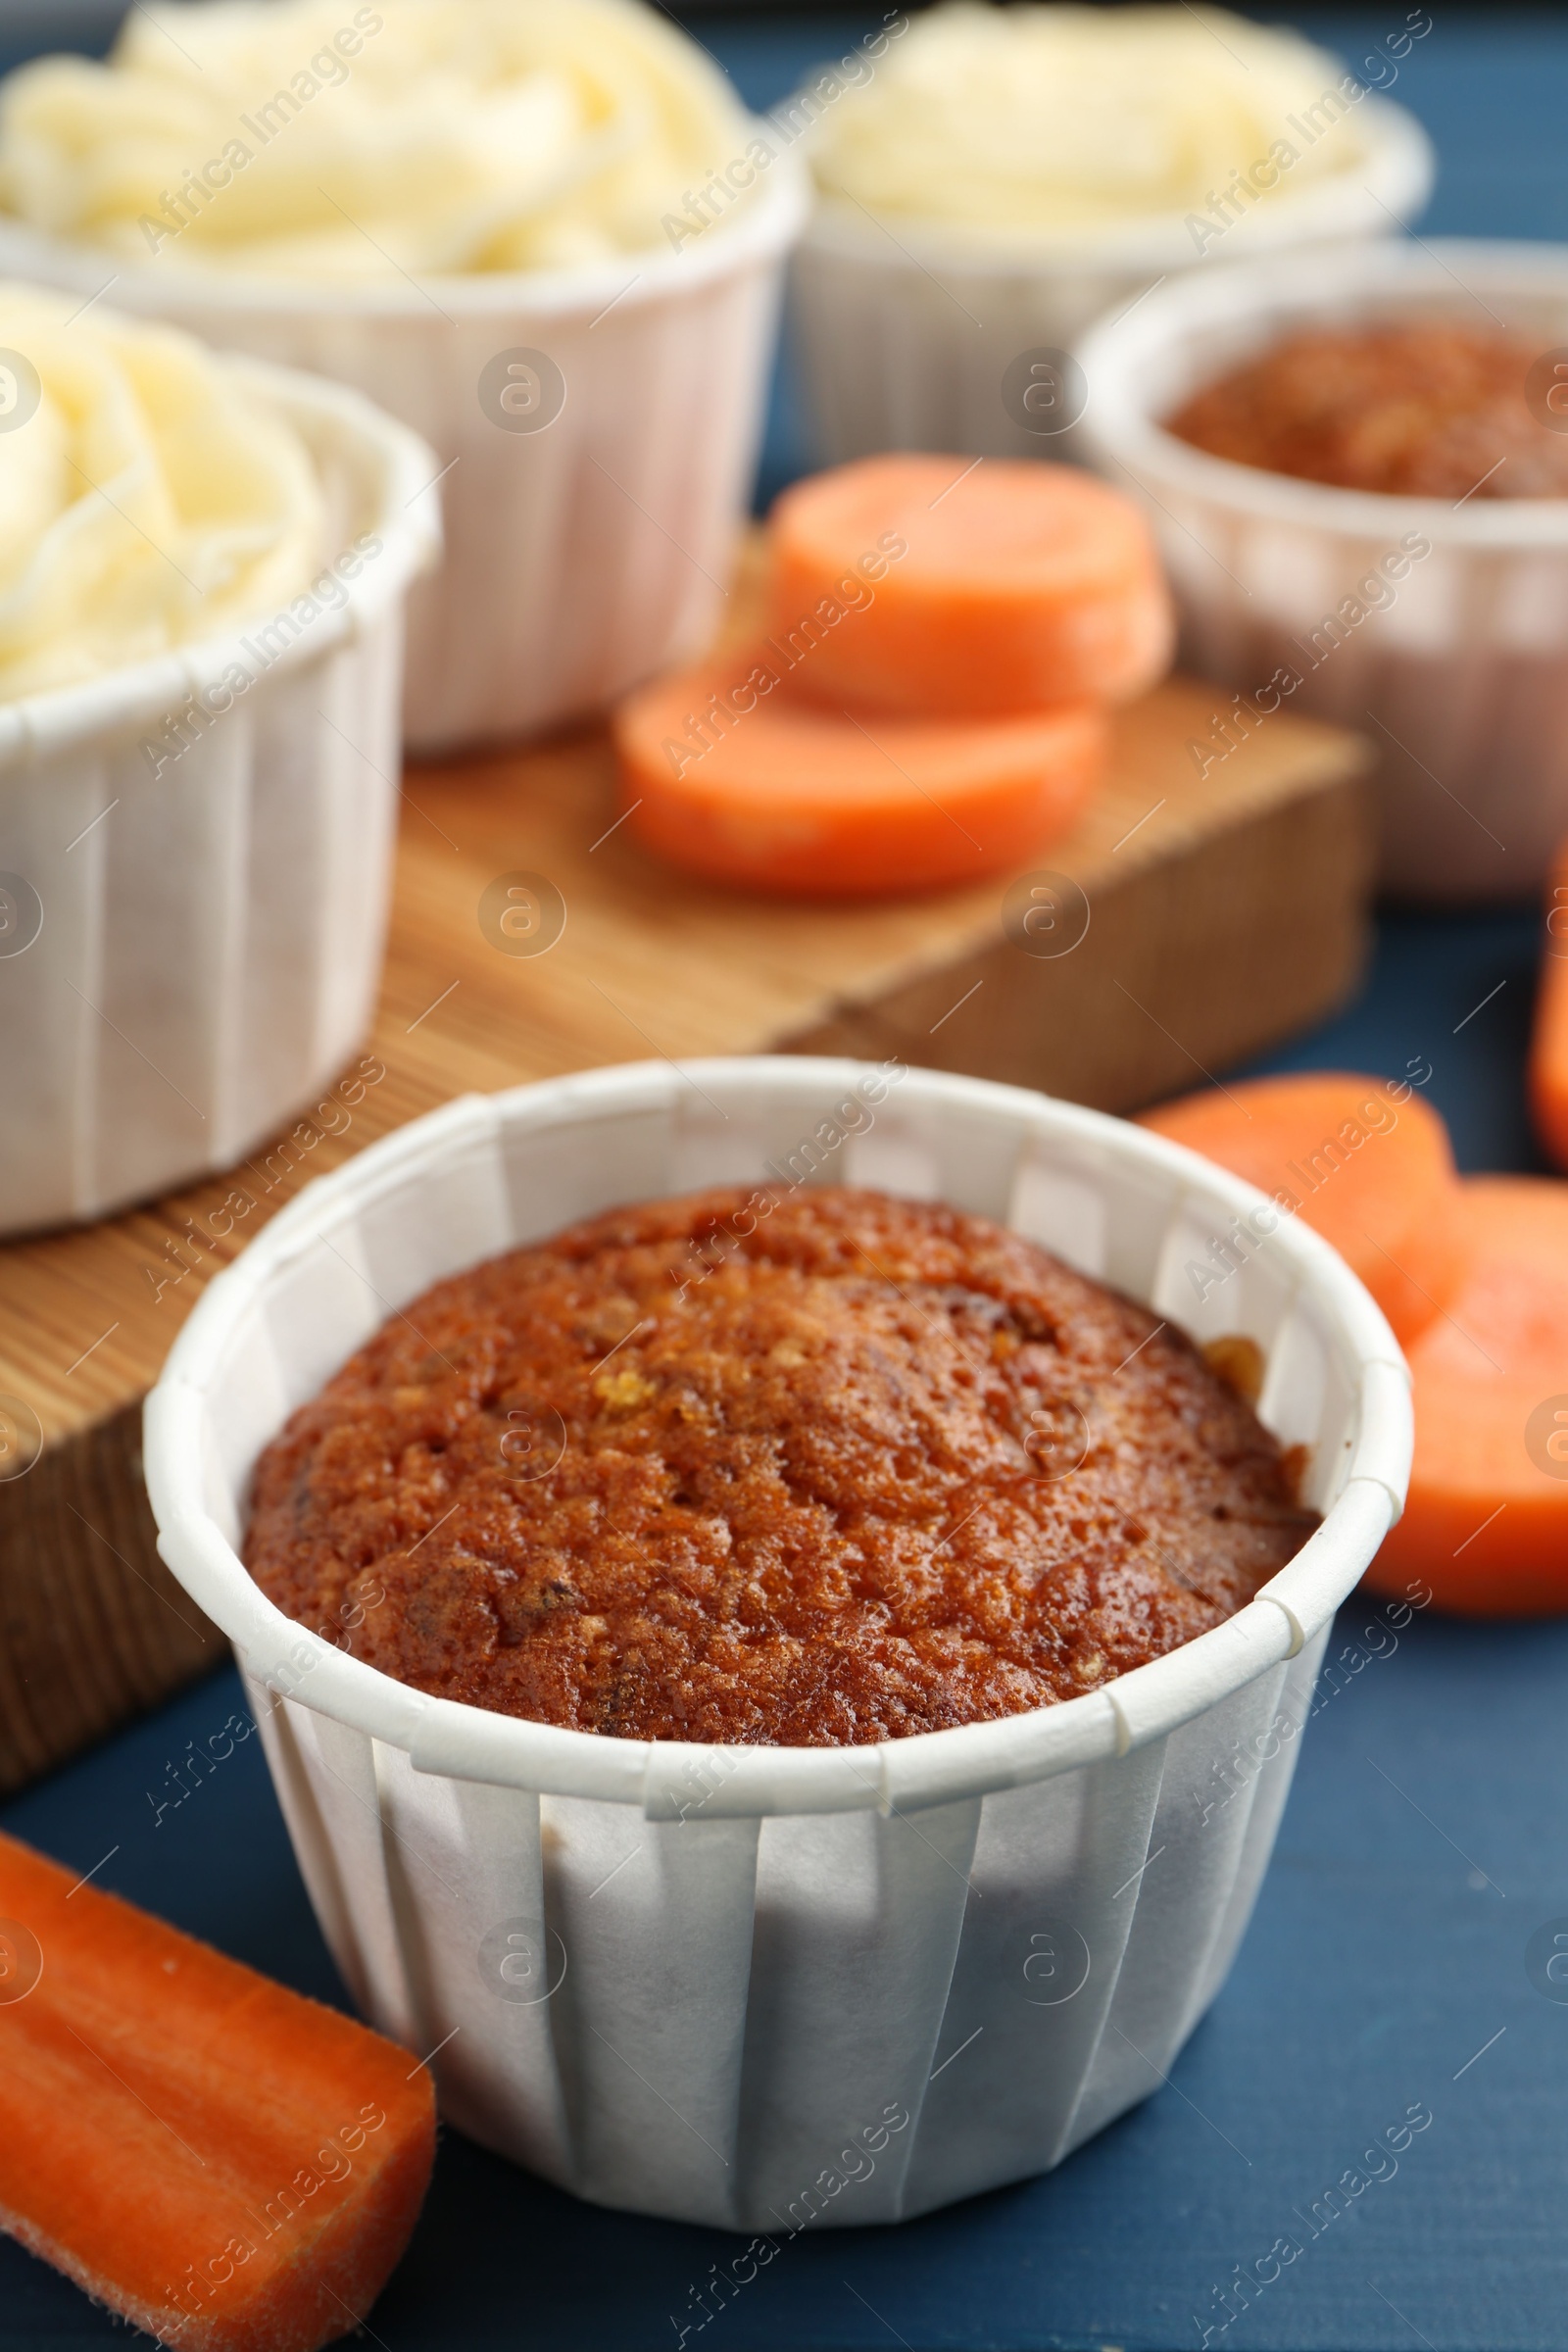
1424	1841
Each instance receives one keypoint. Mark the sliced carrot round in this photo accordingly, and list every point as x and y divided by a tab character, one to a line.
1364	1161
1487	1520
946	588
1548	1042
732	770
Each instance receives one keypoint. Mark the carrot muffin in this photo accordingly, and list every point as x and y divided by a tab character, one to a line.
1417	410
808	1467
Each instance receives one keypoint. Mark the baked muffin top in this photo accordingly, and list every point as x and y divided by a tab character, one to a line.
799	1466
1414	408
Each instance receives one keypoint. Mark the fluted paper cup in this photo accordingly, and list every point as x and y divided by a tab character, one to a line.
904	334
195	858
592	512
753	1987
1457	665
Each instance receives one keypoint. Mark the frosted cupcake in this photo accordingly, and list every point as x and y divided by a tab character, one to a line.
148	497
202	571
1002	175
475	214
296	140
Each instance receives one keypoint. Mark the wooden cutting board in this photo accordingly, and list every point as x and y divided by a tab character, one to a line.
1222	911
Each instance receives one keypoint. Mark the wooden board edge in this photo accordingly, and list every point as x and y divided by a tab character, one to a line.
96	1630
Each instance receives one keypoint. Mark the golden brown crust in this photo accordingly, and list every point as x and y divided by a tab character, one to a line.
1415	411
785	1468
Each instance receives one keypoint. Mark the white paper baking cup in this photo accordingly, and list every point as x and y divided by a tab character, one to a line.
1461	681
582	557
728	1966
902	334
191	941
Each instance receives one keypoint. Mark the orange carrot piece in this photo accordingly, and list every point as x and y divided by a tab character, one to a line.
230	2166
1364	1160
1549	1042
731	770
1487	1520
944	589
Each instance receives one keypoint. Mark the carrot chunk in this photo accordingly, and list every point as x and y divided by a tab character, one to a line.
1487	1520
732	770
1548	1042
1367	1165
232	2166
947	590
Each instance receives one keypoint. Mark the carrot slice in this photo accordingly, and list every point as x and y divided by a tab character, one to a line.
946	589
731	770
1549	1042
1364	1160
230	2166
1487	1520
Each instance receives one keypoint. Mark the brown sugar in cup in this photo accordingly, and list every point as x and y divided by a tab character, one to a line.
808	1469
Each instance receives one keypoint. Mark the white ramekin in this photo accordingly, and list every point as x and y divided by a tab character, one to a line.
204	931
1461	681
725	1968
583	556
902	333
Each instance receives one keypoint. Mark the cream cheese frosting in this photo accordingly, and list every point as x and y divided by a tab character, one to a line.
147	500
321	139
1032	121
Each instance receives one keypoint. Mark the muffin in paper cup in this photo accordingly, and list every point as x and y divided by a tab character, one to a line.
768	1987
956	250
595	411
1439	627
196	847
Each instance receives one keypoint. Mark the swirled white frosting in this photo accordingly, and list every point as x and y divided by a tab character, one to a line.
1019	122
351	142
147	500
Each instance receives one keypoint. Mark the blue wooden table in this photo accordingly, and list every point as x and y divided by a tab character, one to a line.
1426	1841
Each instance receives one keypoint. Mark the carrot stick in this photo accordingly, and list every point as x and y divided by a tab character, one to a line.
230	2166
731	770
941	588
1364	1161
1487	1520
1548	1042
